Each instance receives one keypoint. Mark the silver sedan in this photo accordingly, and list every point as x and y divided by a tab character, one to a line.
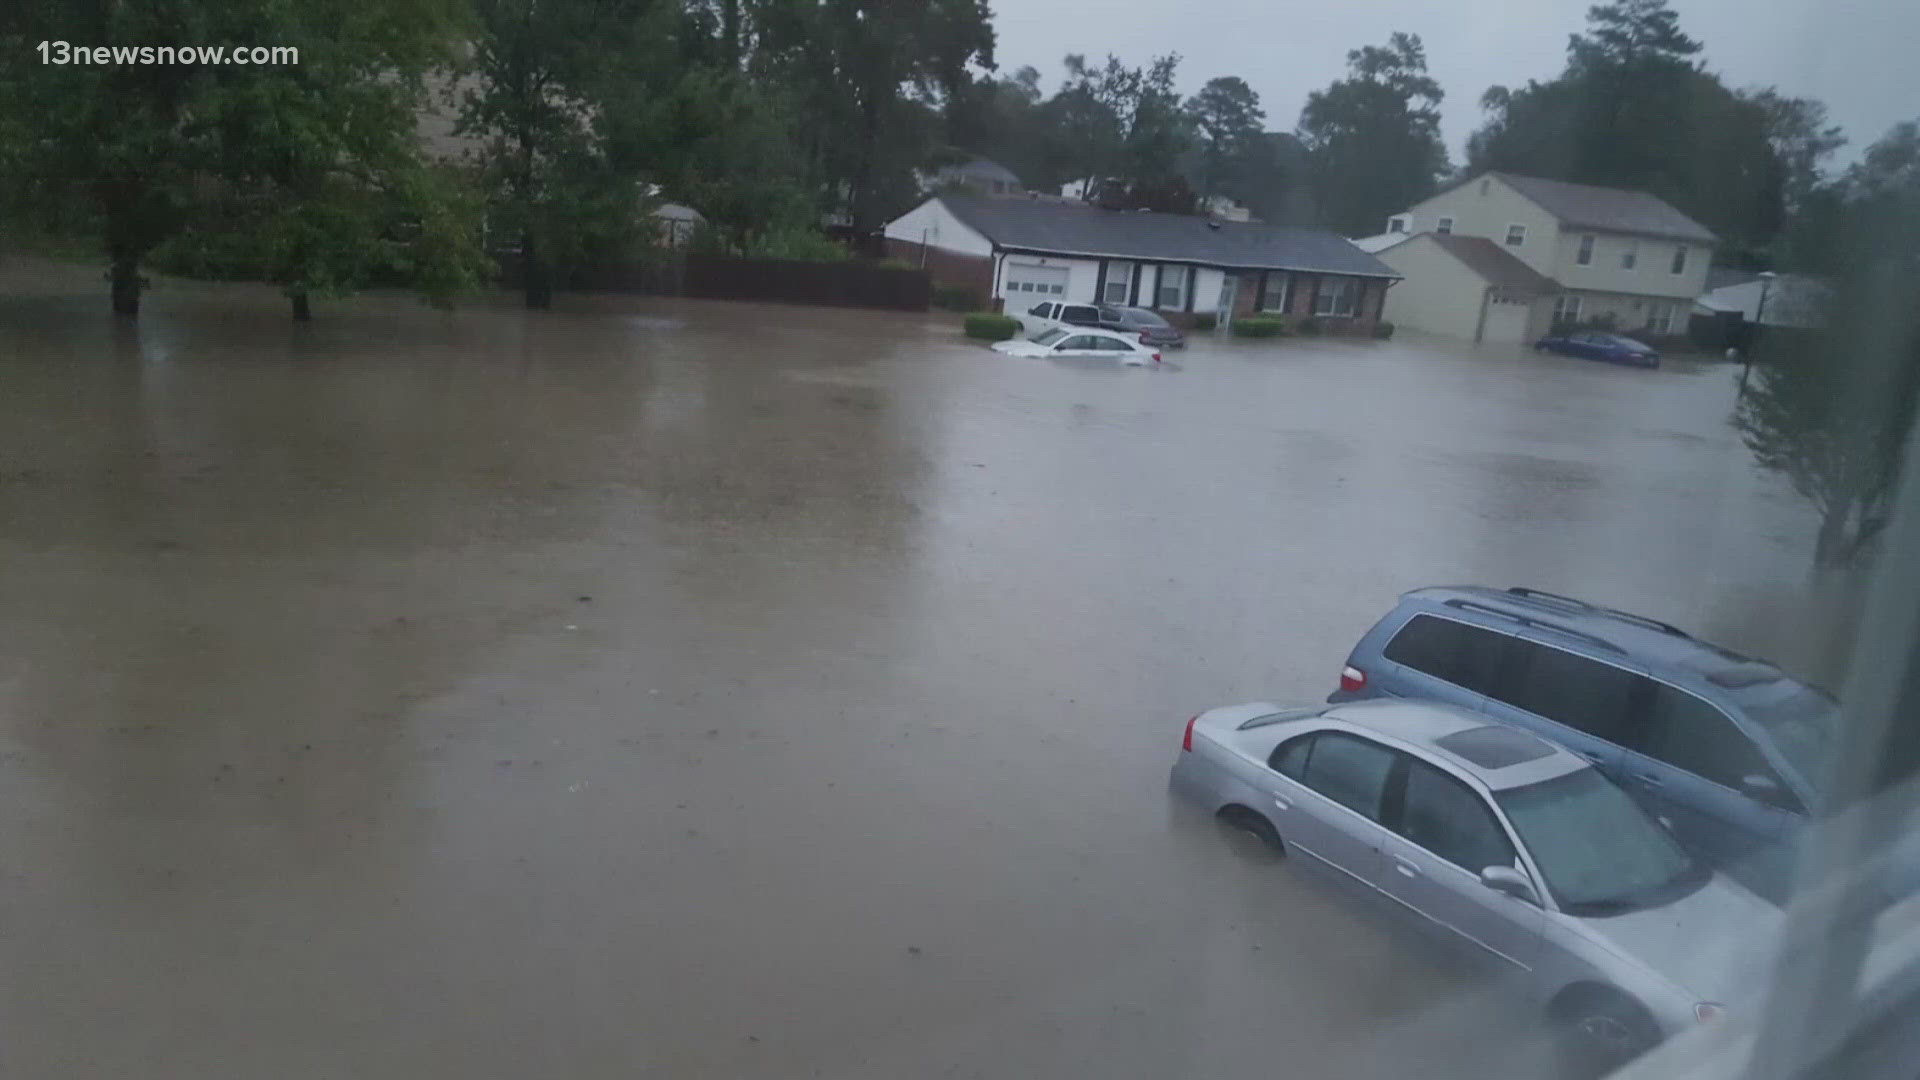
1500	842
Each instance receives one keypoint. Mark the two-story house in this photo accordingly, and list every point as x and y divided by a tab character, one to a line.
1503	258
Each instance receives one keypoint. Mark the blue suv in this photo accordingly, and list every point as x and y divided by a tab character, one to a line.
1729	751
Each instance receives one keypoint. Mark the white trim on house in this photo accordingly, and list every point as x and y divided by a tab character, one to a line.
1509	241
1679	264
1583	254
1444	226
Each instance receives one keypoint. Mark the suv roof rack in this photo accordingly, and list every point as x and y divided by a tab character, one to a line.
1524	620
1628	616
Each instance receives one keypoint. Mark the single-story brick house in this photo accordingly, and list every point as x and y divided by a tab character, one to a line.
1016	252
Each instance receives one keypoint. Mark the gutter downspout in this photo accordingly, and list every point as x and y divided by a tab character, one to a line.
1480	327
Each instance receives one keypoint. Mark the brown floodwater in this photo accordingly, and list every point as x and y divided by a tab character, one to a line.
655	687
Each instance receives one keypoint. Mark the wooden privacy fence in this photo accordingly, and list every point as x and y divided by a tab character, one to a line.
841	284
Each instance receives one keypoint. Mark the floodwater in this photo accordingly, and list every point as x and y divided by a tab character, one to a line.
692	689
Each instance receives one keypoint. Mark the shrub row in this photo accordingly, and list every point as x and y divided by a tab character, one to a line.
988	326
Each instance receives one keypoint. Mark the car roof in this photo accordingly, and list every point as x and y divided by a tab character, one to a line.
1664	649
1498	755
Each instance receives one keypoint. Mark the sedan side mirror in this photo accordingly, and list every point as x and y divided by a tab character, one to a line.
1505	879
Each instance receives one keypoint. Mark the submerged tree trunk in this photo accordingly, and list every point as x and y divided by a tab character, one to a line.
534	277
1834	546
301	311
126	284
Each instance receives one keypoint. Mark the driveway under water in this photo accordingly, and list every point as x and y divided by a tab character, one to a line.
694	689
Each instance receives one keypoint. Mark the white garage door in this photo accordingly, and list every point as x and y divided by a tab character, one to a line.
1029	279
1506	322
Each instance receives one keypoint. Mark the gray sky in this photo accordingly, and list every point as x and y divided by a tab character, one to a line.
1856	55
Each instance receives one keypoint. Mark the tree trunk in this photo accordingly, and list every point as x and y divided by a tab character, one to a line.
301	312
1832	548
534	278
126	284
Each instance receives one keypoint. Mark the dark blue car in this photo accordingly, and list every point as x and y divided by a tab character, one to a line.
1594	345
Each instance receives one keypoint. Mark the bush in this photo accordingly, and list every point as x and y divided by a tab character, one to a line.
1206	320
895	264
1259	326
1310	326
802	244
957	298
988	326
1383	329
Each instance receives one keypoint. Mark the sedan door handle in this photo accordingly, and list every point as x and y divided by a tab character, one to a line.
1281	802
1405	868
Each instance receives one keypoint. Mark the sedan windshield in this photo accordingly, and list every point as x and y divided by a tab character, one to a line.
1599	852
1047	337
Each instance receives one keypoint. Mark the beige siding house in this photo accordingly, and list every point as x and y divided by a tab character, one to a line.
1599	253
1467	287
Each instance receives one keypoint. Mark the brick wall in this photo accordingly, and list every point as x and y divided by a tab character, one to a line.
948	268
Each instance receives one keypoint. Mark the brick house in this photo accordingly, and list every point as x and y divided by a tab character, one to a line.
1015	252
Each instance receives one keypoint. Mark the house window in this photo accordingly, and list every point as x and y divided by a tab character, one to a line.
1630	258
1585	255
1279	291
1173	282
1660	318
1679	260
1119	282
1444	226
1337	296
1566	308
1397	224
1516	235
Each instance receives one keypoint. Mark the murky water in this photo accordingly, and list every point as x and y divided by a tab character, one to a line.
680	689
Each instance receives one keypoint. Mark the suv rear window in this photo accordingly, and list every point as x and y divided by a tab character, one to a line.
1462	654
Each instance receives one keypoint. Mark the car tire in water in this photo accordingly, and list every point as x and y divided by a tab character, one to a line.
1254	826
1600	1030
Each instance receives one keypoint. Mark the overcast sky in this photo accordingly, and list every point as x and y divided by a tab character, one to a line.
1856	55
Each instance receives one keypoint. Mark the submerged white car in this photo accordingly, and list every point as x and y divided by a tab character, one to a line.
1074	341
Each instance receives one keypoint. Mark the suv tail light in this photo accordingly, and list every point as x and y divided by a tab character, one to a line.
1352	678
1186	741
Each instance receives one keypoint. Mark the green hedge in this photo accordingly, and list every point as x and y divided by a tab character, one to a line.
1206	320
1259	326
988	326
1383	329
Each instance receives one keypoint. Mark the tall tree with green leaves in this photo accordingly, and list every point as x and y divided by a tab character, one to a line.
871	79
1832	410
1227	116
561	90
1635	108
1373	138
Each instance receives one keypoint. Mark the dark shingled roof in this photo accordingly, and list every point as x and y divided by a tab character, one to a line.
1606	209
1493	263
1058	228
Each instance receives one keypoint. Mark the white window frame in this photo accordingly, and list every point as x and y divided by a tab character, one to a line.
1660	318
1398	224
1509	240
1347	288
1444	226
1124	282
1630	258
1172	278
1583	255
1679	264
1566	308
1279	292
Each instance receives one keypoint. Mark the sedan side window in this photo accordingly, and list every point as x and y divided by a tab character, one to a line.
1582	693
1078	341
1444	816
1689	733
1350	771
1290	758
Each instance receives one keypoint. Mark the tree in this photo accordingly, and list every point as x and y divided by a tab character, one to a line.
1373	138
1227	114
1634	109
1802	139
870	78
1832	411
550	74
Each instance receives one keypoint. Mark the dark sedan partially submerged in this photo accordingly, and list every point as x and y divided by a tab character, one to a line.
1147	325
1594	345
